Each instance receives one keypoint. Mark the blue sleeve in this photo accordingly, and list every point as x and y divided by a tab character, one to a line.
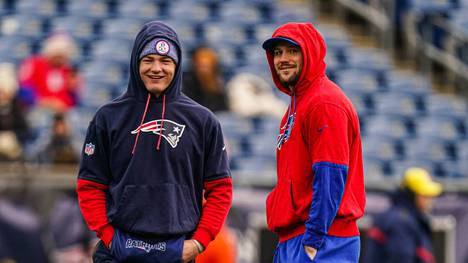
328	187
27	95
216	160
94	164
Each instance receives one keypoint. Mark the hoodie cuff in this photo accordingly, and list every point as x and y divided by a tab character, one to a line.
106	234
203	236
312	239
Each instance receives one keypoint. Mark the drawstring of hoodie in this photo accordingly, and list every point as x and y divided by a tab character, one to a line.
141	123
143	119
291	115
162	122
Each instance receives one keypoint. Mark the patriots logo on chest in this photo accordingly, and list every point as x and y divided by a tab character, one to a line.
171	131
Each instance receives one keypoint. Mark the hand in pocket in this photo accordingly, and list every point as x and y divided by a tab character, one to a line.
310	252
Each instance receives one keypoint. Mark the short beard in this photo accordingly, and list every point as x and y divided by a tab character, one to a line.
291	82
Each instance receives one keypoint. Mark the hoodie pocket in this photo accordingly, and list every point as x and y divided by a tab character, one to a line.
129	248
280	209
164	209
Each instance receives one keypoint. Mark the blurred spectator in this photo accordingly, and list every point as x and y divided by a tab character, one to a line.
48	79
73	241
204	82
20	233
59	150
403	233
250	95
13	128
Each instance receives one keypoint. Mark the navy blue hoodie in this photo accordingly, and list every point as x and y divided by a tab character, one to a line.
155	190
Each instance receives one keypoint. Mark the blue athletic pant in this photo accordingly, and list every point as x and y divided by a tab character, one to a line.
334	249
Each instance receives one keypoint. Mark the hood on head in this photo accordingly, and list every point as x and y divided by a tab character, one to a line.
313	50
150	31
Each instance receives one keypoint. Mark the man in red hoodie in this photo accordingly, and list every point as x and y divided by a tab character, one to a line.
320	184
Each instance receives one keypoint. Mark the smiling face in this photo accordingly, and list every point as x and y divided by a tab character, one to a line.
287	59
157	73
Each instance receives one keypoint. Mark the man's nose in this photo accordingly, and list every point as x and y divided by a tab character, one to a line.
156	66
284	57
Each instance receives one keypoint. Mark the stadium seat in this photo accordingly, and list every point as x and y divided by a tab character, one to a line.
400	103
16	48
444	127
45	8
192	11
80	27
431	148
384	147
122	27
88	8
147	10
398	126
239	12
117	49
106	71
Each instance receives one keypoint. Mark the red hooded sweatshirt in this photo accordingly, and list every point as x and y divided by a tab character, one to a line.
320	181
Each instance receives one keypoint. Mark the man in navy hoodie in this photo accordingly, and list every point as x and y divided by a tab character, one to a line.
150	158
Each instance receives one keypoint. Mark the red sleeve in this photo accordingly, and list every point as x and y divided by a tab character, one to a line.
92	201
218	195
327	134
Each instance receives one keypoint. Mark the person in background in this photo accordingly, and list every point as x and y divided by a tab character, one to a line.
49	80
204	82
59	149
319	194
402	234
149	159
13	127
250	96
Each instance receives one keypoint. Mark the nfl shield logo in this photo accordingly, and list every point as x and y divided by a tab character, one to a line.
89	149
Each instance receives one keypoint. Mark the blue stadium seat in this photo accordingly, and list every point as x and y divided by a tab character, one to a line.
362	100
147	10
239	12
16	48
117	49
431	148
337	39
33	7
384	147
106	71
88	8
444	127
233	124
357	79
369	59
30	25
192	11
435	168
264	31
80	27
431	6
190	34
122	27
225	33
289	11
398	126
98	93
407	83
400	103
377	168
446	105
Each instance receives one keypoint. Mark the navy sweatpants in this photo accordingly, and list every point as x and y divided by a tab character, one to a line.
334	249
